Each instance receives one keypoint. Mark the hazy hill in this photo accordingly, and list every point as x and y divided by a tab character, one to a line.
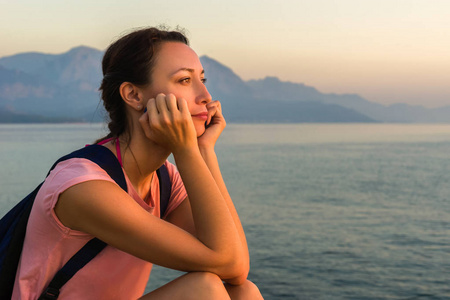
271	87
242	101
43	87
79	66
55	86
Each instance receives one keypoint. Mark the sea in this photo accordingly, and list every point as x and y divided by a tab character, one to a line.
331	211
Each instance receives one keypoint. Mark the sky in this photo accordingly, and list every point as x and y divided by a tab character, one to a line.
387	51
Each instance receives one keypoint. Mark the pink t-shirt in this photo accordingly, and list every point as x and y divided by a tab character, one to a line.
48	245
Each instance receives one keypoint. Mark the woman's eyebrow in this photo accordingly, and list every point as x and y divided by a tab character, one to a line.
189	70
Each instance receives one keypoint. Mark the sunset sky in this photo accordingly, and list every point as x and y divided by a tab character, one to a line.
387	51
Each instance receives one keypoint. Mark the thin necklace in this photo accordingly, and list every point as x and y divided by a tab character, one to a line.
135	160
119	155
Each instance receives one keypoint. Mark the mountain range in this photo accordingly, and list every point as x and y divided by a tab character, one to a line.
38	87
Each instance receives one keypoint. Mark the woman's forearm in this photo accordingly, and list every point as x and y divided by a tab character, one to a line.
214	224
211	160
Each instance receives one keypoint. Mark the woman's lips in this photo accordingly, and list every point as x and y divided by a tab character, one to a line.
203	116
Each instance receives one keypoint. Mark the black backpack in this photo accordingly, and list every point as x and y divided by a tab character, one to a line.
13	225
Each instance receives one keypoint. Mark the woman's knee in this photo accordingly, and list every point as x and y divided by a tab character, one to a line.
208	285
247	290
195	285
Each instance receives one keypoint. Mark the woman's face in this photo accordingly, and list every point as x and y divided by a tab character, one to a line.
178	71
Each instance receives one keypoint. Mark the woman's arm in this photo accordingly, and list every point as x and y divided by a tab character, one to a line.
182	215
216	123
211	160
104	210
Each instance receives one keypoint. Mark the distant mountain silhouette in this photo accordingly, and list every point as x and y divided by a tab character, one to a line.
52	88
55	86
271	87
244	102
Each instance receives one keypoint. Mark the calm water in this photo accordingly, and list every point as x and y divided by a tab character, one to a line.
331	211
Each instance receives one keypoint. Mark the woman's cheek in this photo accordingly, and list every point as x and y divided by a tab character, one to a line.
199	128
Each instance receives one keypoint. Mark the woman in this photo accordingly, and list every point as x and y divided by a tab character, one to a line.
153	89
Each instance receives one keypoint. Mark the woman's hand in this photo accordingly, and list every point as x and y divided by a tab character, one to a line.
168	123
215	124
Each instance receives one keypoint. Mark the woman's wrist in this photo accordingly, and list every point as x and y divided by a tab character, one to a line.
185	152
206	150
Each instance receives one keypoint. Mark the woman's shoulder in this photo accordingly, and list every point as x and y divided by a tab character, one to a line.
78	169
66	174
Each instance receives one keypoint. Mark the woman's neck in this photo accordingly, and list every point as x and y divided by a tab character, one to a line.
140	159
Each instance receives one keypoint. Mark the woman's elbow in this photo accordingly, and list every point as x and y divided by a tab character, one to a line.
237	272
238	280
243	270
232	265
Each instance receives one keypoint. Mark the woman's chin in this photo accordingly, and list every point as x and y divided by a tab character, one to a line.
200	131
199	128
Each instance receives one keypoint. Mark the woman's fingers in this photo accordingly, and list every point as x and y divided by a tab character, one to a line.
215	103
152	110
214	111
168	122
144	121
166	103
211	114
182	106
161	104
171	103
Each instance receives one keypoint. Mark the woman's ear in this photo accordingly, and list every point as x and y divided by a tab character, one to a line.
131	94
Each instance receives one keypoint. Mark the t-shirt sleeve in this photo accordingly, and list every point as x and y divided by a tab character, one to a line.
179	193
65	175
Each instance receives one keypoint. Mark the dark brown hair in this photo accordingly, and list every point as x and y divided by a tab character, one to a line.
130	59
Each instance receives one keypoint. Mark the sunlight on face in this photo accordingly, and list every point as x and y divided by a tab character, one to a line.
178	71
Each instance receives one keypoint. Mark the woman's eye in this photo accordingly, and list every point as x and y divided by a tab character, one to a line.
204	80
185	80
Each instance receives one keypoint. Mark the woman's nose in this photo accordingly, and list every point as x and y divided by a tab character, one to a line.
204	97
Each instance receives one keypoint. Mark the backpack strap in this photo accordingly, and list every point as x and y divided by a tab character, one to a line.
75	263
104	158
14	224
107	161
165	189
